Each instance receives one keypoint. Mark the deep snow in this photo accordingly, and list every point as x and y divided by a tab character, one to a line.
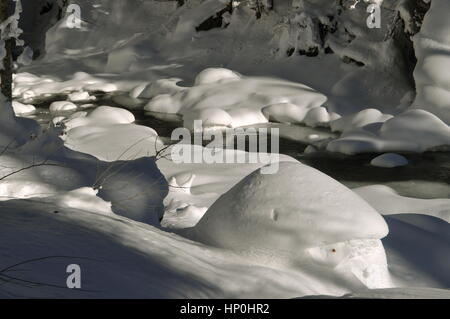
155	228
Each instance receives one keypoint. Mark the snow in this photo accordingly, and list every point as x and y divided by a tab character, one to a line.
246	100
284	224
84	198
23	109
215	75
227	230
411	131
359	119
385	200
62	106
79	96
389	160
432	47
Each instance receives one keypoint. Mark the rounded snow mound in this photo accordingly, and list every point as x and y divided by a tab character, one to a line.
215	75
389	160
290	211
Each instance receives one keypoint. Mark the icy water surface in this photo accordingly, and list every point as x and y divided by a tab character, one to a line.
426	176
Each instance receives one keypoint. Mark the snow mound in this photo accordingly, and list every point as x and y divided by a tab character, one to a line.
359	119
411	131
317	116
248	100
161	86
282	212
86	199
80	96
215	75
23	109
209	118
282	217
389	160
102	115
388	202
432	48
61	107
285	113
110	114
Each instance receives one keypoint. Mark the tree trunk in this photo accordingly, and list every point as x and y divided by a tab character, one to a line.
6	72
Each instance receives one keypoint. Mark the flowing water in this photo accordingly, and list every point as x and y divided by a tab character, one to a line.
426	176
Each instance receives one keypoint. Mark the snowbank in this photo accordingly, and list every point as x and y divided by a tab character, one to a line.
432	48
389	160
388	202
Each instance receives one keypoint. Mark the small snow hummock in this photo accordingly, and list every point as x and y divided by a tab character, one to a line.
23	109
415	130
389	160
62	106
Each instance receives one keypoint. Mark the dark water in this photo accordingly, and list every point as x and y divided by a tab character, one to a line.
426	176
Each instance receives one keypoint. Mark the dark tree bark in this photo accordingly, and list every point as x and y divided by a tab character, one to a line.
6	72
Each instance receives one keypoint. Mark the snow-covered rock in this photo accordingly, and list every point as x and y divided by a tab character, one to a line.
80	96
285	113
262	205
246	100
215	75
161	86
432	48
317	116
62	106
359	119
284	217
389	160
23	109
411	131
108	114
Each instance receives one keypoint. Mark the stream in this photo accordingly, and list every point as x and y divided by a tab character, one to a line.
426	176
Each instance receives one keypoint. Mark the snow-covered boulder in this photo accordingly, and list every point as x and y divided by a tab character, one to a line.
359	119
80	96
108	114
62	106
209	118
432	48
248	100
23	109
297	208
299	214
317	116
215	75
285	113
161	86
411	131
389	160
